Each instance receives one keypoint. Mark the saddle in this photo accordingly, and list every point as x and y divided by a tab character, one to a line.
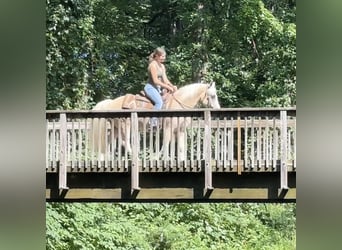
141	101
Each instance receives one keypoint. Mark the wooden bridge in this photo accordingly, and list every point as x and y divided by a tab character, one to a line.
231	155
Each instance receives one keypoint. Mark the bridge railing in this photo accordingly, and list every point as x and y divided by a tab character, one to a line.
222	140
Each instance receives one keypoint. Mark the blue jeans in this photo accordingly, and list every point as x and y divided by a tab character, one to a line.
153	93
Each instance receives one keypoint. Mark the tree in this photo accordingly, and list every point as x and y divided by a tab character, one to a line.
98	49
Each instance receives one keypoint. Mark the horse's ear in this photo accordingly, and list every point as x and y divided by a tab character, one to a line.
212	84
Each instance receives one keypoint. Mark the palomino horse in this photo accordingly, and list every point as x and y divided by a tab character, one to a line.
186	97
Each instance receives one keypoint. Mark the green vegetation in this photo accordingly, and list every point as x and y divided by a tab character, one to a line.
98	49
170	226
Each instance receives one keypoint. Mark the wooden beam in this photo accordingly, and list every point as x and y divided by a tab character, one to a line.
207	153
283	163
167	194
135	154
239	168
63	153
171	186
249	193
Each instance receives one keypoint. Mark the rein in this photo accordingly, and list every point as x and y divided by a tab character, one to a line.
184	106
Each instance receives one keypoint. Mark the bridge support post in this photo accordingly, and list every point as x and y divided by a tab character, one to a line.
283	162
62	171
135	154
239	168
208	187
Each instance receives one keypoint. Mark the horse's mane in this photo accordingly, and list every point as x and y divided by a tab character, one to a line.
190	88
191	85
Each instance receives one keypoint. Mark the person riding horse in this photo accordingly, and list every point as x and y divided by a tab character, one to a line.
186	97
157	80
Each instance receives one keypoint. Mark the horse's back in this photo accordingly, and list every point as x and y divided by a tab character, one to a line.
110	104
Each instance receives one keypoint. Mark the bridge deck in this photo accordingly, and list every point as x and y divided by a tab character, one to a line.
231	154
169	166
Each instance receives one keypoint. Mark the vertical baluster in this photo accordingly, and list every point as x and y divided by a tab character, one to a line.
54	148
135	150
283	165
225	142
144	149
207	152
157	146
178	140
63	153
128	123
239	169
259	144
48	144
245	164
93	121
150	149
120	124
275	145
192	144
79	157
112	143
252	143
198	151
86	144
72	144
172	154
294	150
266	143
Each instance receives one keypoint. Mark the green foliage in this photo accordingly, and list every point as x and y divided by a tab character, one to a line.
170	226
98	49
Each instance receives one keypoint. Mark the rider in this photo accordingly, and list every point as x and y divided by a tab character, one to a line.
157	80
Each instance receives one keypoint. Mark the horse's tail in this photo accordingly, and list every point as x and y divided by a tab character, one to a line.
97	132
97	135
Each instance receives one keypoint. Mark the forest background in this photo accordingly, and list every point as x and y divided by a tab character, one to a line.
99	49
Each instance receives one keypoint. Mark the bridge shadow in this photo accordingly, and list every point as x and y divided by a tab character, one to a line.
171	187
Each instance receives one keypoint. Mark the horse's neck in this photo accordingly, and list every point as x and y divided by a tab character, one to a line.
187	98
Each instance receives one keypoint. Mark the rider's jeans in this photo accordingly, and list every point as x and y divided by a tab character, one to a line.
153	93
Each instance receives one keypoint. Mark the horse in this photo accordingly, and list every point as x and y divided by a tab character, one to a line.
186	97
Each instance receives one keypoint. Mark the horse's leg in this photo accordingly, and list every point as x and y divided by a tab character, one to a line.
97	137
166	138
112	138
126	136
181	147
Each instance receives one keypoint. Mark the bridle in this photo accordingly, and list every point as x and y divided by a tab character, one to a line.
184	106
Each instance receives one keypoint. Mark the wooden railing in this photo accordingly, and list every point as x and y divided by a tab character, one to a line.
223	140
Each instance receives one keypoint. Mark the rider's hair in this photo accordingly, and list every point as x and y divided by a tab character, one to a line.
157	52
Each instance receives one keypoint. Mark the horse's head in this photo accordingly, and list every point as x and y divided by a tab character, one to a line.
196	94
210	98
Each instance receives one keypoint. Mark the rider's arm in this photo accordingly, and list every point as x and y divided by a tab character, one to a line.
154	75
166	79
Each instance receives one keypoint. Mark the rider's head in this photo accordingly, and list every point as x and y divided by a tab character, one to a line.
158	54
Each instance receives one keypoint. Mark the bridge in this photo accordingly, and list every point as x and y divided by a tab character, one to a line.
235	154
